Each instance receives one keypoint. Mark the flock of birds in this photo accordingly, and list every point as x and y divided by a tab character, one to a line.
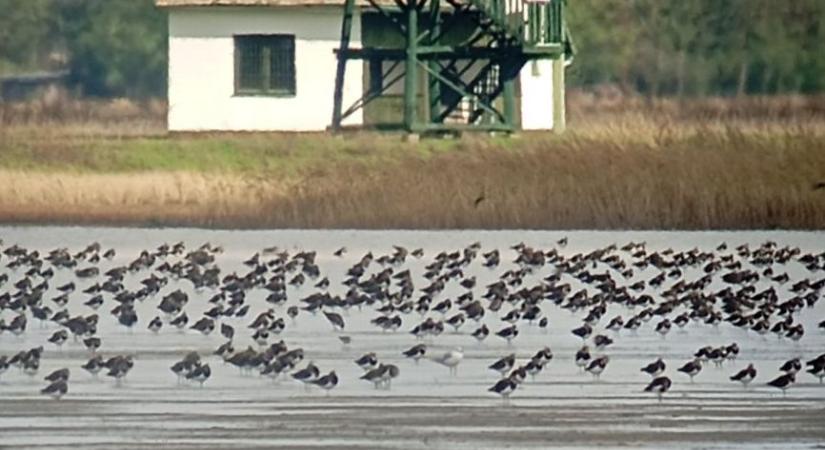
586	284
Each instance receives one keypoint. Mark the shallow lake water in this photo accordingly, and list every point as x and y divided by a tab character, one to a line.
426	407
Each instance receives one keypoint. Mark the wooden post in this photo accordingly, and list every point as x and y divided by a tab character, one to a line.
411	69
559	106
434	85
338	95
507	78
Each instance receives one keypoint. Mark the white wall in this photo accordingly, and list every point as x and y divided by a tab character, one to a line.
537	95
201	69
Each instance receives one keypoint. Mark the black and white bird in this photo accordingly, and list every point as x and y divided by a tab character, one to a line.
583	331
119	367
583	357
718	356
57	375
663	327
127	317
534	366
597	365
615	324
180	321
326	382
199	374
205	325
92	343
225	350
93	365
817	370
732	351
59	337
601	341
4	364
387	323
31	366
512	317
504	387
276	326
481	332
382	375
783	382
292	312
503	365
655	368
456	321
416	352
691	368
367	361
544	355
508	333
659	385
57	389
745	376
227	331
795	332
155	325
792	366
543	323
307	374
335	320
261	337
185	366
94	302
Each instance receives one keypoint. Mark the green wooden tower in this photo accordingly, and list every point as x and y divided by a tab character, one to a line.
452	51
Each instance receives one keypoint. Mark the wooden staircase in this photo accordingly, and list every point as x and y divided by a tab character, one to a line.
520	22
481	71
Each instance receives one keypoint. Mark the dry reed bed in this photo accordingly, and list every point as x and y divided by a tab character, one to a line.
710	164
710	181
707	179
150	198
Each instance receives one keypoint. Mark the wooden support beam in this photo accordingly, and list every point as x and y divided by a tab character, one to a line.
559	103
411	69
433	84
507	80
338	94
447	52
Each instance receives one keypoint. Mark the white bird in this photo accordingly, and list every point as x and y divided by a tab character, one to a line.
451	359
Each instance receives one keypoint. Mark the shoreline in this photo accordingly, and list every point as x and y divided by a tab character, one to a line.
353	422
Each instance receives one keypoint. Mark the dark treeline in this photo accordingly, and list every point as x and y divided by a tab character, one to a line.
110	47
700	47
653	47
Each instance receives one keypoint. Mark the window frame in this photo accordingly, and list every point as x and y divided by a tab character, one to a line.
265	90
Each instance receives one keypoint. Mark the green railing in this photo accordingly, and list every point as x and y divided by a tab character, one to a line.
528	23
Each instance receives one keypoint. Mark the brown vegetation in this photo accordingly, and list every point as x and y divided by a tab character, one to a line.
145	199
711	180
58	110
649	165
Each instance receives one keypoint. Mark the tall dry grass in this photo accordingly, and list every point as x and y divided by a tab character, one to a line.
662	165
146	199
59	112
706	181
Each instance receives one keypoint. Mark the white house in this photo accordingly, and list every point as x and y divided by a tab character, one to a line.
269	65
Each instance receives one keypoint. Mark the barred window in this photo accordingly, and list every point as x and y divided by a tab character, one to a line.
265	64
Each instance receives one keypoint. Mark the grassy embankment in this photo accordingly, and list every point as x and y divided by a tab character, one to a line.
627	164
